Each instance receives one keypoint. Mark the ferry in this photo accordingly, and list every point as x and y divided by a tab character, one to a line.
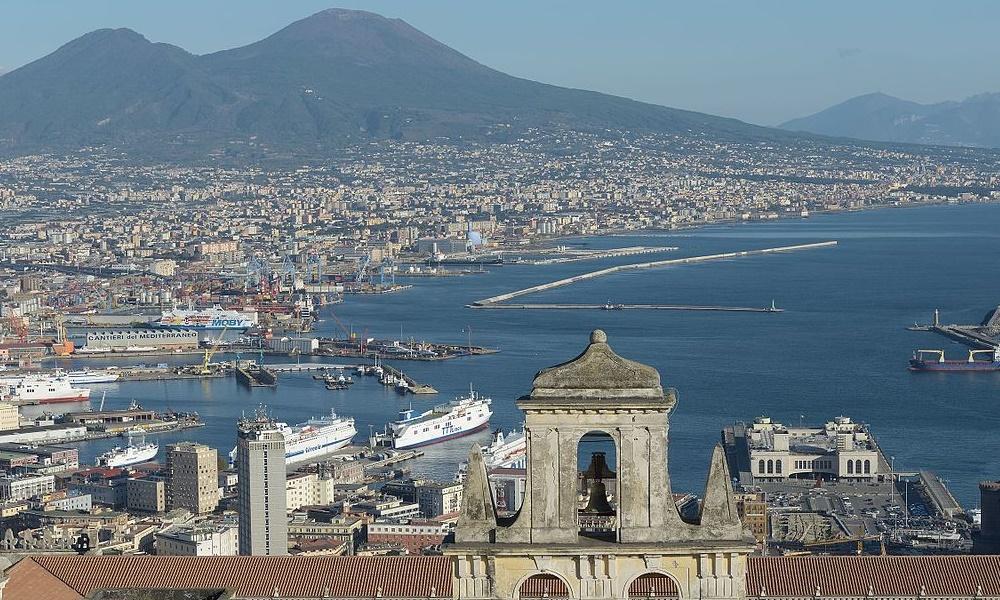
212	318
88	376
506	451
920	361
129	455
45	389
314	439
459	417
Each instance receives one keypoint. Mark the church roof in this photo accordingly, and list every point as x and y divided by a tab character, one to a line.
598	372
75	577
794	577
873	576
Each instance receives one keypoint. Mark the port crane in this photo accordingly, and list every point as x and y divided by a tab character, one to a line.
210	351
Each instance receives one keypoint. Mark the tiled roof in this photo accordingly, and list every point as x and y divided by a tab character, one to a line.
880	576
244	576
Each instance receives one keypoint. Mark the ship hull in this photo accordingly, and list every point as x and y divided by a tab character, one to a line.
418	443
123	461
312	452
955	366
80	397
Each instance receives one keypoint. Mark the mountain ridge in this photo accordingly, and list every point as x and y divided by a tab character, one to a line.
974	121
331	79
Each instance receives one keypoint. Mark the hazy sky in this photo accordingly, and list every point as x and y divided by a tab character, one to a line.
761	61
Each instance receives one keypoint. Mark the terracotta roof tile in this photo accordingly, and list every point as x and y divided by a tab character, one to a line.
27	579
881	576
256	576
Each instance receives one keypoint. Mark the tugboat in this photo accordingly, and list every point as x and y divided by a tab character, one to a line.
920	362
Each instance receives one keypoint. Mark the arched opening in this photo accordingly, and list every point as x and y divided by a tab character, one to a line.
543	585
653	585
850	467
770	466
760	466
857	467
597	461
868	467
777	466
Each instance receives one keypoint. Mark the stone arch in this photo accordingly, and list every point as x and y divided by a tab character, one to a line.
614	463
544	584
654	583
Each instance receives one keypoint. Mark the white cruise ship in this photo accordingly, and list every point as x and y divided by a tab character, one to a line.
129	455
314	439
89	376
459	417
211	318
44	389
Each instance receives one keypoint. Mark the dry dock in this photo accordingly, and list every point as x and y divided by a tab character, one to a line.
486	302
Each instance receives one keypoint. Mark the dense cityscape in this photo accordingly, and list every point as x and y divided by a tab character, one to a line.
117	267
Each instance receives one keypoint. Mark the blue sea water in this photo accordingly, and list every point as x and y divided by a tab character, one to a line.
840	348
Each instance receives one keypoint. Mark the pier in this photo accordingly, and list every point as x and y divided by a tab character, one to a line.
412	386
614	307
494	300
254	375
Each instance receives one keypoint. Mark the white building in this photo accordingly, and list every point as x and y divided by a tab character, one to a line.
14	487
841	449
203	539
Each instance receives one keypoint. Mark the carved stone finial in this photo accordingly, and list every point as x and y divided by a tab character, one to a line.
718	510
598	336
477	521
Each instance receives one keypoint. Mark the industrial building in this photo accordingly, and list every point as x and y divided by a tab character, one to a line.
123	340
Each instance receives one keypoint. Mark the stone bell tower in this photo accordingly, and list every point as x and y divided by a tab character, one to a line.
650	550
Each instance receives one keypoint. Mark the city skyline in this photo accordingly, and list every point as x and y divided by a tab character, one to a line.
764	64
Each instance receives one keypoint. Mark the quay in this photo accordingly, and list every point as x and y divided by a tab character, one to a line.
254	375
397	350
411	386
599	254
312	366
615	307
644	265
940	497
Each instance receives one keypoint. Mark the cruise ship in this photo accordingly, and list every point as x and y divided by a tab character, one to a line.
211	318
44	389
89	376
459	417
129	455
314	439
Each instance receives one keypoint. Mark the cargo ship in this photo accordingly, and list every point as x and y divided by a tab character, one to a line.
459	417
43	389
314	439
210	318
937	361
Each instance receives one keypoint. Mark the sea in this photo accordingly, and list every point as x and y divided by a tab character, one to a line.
839	348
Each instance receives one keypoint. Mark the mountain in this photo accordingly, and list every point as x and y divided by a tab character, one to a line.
974	121
337	77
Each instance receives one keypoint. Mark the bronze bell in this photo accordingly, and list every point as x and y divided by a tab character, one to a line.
598	503
598	468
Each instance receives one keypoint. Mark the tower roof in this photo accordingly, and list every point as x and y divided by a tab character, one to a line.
598	374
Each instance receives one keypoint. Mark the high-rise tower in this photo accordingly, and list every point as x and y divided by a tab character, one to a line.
260	460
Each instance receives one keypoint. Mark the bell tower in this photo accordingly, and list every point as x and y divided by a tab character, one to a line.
649	547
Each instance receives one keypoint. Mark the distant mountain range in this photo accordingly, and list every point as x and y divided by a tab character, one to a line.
337	77
974	121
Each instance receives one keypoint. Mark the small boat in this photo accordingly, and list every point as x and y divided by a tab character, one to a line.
332	385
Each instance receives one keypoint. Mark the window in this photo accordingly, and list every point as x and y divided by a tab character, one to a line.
868	467
760	466
777	466
770	466
850	467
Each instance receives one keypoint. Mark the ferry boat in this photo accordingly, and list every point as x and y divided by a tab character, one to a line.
46	389
212	318
459	417
314	439
129	455
920	362
506	451
88	376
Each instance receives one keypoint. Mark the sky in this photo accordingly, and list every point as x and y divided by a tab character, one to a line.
764	61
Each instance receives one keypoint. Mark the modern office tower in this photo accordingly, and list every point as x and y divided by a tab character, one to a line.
260	464
193	477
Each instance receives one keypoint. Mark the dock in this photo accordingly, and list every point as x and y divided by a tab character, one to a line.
615	307
311	366
256	376
412	386
940	497
493	300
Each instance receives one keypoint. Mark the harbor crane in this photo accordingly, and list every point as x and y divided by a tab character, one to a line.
210	351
